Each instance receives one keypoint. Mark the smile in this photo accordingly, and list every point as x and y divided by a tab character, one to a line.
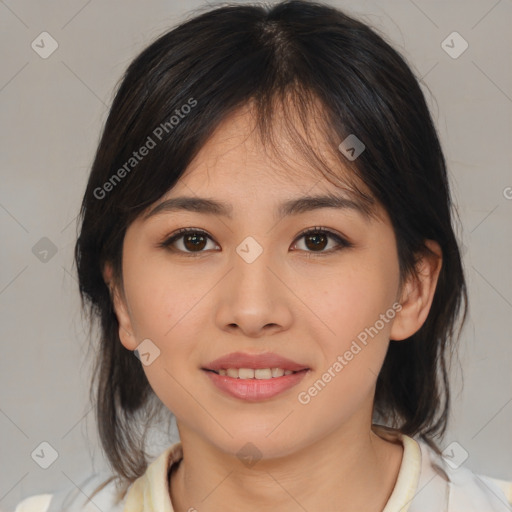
253	373
254	384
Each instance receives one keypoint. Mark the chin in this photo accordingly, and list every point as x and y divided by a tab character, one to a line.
257	444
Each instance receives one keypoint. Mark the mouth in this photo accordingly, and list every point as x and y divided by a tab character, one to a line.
254	373
254	377
254	384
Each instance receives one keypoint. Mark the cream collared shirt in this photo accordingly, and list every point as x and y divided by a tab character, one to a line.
426	482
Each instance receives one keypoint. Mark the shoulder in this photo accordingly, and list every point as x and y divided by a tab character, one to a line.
456	487
151	485
76	499
36	503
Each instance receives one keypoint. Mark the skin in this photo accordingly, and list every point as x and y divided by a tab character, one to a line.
196	309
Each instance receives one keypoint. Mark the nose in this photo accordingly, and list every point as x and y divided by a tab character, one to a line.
254	298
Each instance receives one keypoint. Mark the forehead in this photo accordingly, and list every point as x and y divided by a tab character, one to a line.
235	155
282	169
234	167
236	151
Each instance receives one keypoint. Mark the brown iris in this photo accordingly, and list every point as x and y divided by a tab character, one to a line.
316	245
196	240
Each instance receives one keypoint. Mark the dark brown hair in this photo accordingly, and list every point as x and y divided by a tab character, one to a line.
333	72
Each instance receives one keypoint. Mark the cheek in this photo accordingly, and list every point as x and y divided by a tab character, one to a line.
355	300
357	307
162	310
159	299
358	310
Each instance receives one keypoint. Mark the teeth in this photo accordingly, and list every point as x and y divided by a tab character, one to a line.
277	372
250	373
263	373
246	373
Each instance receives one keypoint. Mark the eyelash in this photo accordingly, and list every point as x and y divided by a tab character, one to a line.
343	243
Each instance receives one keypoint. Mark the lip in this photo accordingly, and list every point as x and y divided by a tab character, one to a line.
256	361
255	390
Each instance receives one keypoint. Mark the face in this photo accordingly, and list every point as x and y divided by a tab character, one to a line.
251	282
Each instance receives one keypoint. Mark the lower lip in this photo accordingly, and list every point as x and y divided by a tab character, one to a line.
254	390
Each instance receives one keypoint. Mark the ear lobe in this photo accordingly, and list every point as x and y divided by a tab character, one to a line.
121	310
418	294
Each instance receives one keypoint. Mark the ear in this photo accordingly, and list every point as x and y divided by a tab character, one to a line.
121	310
418	293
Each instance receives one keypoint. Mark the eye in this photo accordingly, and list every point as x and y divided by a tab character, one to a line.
317	239
194	240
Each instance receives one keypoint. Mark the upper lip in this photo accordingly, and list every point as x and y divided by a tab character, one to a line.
243	360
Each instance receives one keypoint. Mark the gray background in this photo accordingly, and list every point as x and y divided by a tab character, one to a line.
52	112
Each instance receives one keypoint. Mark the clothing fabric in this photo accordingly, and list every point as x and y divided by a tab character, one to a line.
426	482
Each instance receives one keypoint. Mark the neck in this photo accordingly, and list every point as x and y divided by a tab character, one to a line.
347	471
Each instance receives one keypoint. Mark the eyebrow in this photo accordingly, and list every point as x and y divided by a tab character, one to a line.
290	207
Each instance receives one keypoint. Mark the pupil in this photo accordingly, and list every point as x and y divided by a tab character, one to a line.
315	245
195	238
